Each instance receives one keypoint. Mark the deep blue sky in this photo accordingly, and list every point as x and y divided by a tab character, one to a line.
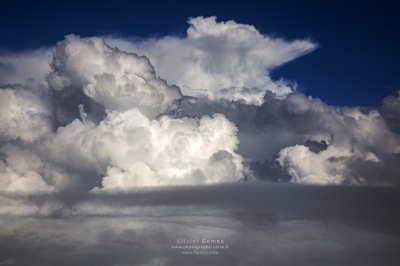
358	62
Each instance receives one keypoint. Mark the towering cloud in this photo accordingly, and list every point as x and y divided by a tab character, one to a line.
131	151
116	80
121	126
134	144
221	59
106	121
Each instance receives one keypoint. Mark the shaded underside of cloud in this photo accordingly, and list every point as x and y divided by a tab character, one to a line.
280	224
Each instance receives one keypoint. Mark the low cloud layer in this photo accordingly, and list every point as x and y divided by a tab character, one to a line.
274	223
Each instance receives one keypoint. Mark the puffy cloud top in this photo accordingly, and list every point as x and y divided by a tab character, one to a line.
115	131
132	145
221	59
117	80
133	151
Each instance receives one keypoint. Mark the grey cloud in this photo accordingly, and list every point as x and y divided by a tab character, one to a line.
316	146
277	223
386	172
24	67
65	106
365	207
6	69
351	134
390	110
308	139
269	170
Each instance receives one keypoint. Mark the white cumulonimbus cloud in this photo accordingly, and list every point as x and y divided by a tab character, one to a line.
105	120
220	59
131	151
134	145
117	80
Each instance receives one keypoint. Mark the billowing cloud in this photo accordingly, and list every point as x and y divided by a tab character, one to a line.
307	141
133	145
22	171
220	59
23	114
107	116
130	150
331	142
116	80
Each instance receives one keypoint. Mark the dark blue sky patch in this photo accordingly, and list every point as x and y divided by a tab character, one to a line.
357	64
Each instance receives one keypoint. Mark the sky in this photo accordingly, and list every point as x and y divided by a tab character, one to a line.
199	133
356	64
